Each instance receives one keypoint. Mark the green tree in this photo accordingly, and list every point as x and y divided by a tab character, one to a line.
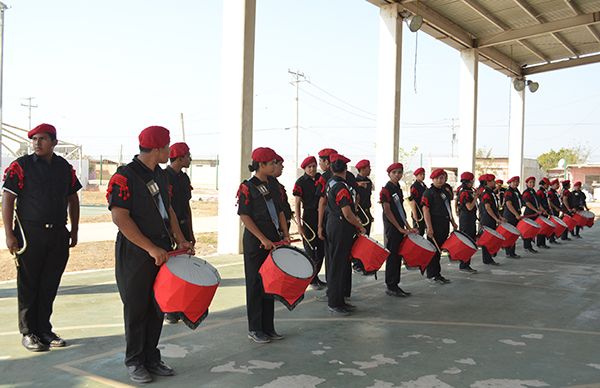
573	155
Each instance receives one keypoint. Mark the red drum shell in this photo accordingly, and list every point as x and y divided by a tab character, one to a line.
284	286
416	251
580	219
560	226
369	252
491	240
547	227
510	233
174	294
571	223
459	246
528	228
590	216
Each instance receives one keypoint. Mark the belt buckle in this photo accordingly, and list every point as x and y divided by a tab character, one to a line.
48	226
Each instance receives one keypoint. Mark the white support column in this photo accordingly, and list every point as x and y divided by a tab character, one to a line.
516	133
236	113
467	135
388	104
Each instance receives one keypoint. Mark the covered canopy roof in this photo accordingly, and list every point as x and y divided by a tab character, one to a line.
515	37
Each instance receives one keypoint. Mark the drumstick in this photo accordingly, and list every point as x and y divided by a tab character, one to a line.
436	245
178	252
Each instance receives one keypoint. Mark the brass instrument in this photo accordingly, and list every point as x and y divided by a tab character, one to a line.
308	240
365	215
20	251
420	216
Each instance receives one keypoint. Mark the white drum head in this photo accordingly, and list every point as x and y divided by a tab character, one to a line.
531	222
465	239
493	232
546	221
193	270
420	241
511	228
292	262
374	241
587	214
559	221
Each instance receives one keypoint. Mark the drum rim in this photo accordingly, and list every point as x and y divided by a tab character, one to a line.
546	221
510	228
531	222
584	212
299	251
415	235
493	232
474	244
191	257
372	240
559	221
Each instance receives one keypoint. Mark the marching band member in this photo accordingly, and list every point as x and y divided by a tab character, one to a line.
531	204
499	190
578	204
263	220
342	224
512	210
364	190
436	212
395	227
416	194
277	187
307	192
542	197
488	212
566	199
467	212
554	205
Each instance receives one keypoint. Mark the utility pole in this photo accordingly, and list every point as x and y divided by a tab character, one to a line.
453	136
2	8
29	106
182	127
297	78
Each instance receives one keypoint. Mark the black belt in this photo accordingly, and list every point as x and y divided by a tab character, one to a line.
44	225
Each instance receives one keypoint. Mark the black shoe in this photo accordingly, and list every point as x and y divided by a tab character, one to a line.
172	318
349	307
566	239
554	242
544	246
468	269
316	286
405	292
531	250
515	256
492	263
139	374
274	335
578	236
52	340
258	337
397	293
444	280
160	369
339	311
32	343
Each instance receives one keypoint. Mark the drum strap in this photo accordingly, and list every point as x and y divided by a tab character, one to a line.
400	208
352	192
264	191
447	205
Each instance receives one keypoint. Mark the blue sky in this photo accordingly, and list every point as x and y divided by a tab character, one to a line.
102	71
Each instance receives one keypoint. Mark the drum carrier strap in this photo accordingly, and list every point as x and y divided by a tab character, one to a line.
264	191
400	208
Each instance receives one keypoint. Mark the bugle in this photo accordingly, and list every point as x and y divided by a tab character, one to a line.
364	213
24	247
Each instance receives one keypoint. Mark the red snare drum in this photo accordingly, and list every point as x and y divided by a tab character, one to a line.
589	217
370	253
580	219
186	285
528	228
546	226
416	251
510	234
491	240
571	223
560	226
286	273
459	246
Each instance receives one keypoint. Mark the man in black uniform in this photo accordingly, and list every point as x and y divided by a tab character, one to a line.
395	227
566	198
532	210
416	194
542	197
512	210
364	189
277	187
342	224
180	190
436	212
467	212
554	205
499	190
578	203
138	198
43	185
307	191
488	212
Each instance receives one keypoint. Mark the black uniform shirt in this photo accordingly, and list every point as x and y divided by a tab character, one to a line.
487	197
180	189
338	196
465	195
309	190
543	198
364	192
327	175
436	200
553	197
42	188
529	196
253	203
280	195
416	192
514	197
578	199
569	196
387	196
127	189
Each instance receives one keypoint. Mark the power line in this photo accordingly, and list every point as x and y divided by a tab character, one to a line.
337	106
339	99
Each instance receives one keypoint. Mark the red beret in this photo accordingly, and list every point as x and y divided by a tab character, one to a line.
491	177
418	171
566	182
484	178
263	155
531	178
178	149
326	152
335	156
362	164
578	183
545	181
394	166
154	137
278	158
554	182
467	176
42	128
513	179
499	181
308	161
437	172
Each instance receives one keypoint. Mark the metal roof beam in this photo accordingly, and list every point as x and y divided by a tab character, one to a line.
562	64
541	29
577	10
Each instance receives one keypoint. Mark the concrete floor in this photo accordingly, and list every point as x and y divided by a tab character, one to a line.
533	322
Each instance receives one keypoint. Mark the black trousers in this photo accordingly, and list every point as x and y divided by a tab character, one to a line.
259	307
540	240
467	223
441	229
511	219
339	244
316	249
528	243
40	269
393	264
486	256
576	231
420	224
135	273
